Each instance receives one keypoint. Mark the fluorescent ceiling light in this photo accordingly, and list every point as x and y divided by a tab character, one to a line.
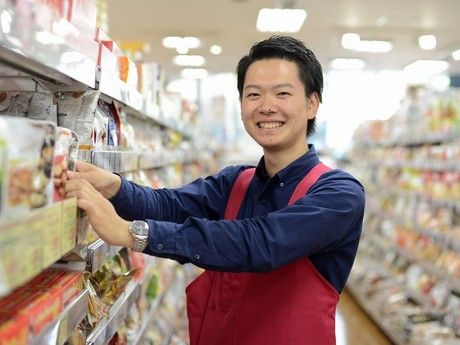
350	40
456	55
215	49
177	42
426	67
280	20
427	42
189	60
343	63
353	41
374	46
194	73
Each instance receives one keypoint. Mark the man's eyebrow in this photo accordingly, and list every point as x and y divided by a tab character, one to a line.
278	86
251	87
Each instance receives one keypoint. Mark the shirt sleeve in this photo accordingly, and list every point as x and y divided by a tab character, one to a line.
323	220
203	198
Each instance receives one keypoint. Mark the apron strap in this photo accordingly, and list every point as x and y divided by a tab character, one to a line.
309	180
238	192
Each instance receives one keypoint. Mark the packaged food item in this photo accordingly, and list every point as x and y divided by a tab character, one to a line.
113	122
65	155
14	329
76	111
43	107
15	103
28	165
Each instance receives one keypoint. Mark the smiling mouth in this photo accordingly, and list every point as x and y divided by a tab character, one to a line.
269	125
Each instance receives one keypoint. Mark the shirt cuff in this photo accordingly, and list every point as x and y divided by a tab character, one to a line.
120	199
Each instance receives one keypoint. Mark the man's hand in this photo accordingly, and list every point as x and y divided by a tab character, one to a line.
101	214
105	182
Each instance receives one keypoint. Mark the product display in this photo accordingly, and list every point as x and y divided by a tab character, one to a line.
407	271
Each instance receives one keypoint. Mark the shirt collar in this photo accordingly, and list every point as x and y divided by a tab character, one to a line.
299	167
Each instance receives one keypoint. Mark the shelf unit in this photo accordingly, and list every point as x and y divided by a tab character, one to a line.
62	327
412	215
105	330
27	63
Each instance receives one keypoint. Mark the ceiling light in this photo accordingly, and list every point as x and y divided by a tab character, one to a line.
194	73
426	67
456	55
374	46
280	20
353	41
343	63
215	49
171	41
189	60
350	40
181	42
427	42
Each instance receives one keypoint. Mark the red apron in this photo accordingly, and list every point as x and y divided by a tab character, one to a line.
292	305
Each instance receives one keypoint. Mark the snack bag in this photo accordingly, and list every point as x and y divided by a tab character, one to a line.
65	154
76	111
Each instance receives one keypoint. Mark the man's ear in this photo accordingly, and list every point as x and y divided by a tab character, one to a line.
312	106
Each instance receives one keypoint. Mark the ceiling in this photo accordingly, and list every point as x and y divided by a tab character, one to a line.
231	24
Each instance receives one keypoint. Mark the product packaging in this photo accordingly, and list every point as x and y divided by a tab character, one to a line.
28	165
76	111
65	155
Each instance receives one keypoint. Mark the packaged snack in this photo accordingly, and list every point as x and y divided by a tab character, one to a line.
113	122
43	107
15	103
76	111
65	155
28	164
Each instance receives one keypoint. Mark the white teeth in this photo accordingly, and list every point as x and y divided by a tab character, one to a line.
270	125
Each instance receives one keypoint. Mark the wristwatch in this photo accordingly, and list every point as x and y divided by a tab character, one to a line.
140	231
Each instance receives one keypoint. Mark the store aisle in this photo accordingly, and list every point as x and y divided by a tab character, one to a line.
353	326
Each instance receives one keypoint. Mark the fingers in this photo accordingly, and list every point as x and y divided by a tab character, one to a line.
83	166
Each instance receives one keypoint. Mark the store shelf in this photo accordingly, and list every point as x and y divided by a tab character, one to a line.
374	314
61	329
147	320
33	242
423	138
44	54
428	165
111	86
98	254
116	160
102	334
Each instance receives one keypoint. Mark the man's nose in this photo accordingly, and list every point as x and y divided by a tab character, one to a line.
267	106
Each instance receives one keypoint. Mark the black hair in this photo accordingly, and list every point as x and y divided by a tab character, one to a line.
290	49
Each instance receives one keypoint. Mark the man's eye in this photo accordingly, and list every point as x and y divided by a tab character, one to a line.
283	93
252	94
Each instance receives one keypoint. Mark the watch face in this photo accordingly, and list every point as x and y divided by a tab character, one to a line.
140	228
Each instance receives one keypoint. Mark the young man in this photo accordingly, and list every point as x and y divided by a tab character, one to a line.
277	242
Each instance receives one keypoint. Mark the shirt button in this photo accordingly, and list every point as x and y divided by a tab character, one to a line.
160	246
282	184
197	256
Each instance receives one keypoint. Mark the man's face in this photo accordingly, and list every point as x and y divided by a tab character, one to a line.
274	107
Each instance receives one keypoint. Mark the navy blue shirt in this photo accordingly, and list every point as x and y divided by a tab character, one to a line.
187	225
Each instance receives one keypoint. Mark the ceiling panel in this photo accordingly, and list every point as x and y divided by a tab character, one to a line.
231	24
